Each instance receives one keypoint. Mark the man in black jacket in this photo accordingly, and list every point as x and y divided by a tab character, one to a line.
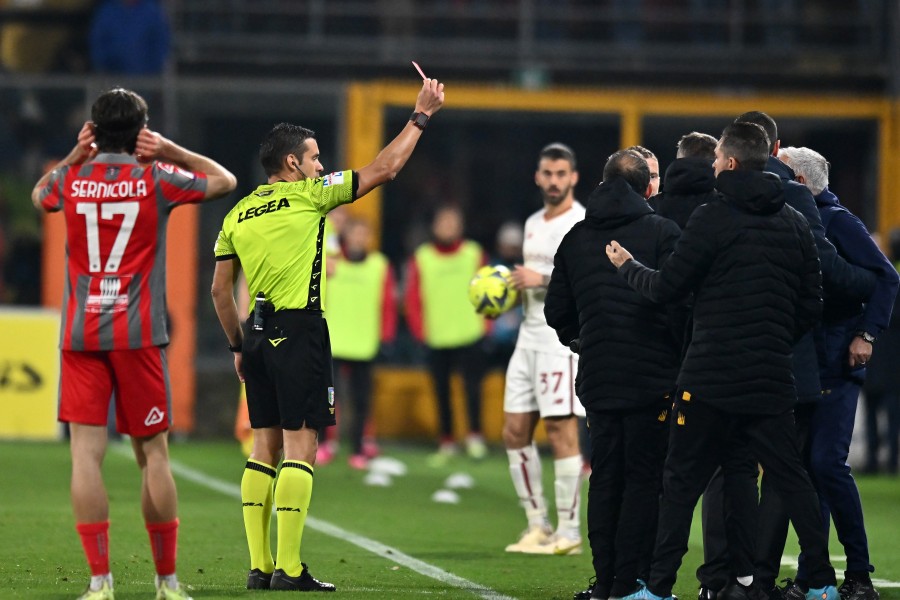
752	265
689	179
627	367
691	182
840	279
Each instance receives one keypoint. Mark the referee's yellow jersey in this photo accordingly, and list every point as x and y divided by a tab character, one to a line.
278	235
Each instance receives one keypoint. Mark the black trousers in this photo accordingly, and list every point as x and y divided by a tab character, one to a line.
357	374
773	518
470	361
628	449
729	517
703	437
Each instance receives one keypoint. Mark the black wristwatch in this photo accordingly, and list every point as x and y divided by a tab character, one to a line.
866	336
419	119
238	348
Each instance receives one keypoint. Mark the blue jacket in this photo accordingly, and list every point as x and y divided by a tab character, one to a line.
843	315
837	275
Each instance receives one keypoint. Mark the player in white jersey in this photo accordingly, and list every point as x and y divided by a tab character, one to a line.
540	378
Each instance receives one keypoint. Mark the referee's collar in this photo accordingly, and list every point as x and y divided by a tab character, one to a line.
115	158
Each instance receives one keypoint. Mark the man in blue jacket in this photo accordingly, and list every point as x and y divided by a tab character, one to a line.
844	343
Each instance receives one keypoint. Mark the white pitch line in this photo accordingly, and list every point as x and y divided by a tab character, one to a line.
392	554
791	561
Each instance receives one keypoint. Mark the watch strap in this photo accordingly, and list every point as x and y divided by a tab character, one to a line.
866	336
419	119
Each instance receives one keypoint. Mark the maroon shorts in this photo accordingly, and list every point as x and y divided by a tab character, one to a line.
137	379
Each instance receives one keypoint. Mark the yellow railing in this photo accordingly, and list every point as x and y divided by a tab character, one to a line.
367	102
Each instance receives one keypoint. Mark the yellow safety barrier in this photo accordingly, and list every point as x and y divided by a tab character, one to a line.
29	374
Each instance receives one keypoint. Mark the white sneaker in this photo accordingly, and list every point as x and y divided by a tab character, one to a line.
559	545
533	537
104	593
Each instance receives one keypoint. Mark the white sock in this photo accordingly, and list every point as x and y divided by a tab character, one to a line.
171	581
746	580
567	473
97	581
525	469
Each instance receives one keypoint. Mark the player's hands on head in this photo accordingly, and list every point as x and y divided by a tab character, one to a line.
523	277
617	254
431	97
150	146
86	148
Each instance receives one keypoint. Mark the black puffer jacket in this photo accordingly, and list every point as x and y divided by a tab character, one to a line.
689	183
628	358
753	267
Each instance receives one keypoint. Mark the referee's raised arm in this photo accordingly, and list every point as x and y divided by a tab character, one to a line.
392	158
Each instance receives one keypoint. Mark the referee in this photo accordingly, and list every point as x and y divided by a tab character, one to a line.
282	352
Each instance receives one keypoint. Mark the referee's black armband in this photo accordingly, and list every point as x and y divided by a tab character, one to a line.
237	348
355	183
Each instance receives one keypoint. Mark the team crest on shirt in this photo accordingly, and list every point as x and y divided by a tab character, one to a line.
333	179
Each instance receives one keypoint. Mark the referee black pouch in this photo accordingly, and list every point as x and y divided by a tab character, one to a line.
261	311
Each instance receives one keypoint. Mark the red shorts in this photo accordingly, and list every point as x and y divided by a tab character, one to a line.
138	378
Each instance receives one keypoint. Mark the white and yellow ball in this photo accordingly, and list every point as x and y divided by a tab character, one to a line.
491	291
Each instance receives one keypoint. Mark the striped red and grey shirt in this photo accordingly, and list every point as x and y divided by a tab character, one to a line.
116	212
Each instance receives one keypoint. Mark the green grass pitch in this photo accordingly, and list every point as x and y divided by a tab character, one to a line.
40	556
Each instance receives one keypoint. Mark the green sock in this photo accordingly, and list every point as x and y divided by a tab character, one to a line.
256	497
292	496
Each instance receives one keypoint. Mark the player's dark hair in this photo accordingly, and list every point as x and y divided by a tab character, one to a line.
697	145
747	143
282	140
558	151
764	121
118	116
646	153
630	166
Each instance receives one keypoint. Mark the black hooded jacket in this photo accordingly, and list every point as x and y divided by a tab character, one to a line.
627	357
752	264
689	183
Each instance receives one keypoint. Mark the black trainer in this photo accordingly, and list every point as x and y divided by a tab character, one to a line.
736	591
852	589
302	583
257	580
792	591
586	594
776	593
706	593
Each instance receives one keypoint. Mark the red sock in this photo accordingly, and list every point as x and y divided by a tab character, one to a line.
164	542
95	541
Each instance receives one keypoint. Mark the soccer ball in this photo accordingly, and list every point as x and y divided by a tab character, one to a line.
491	291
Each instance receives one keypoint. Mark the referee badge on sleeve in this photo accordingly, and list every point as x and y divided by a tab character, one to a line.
331	399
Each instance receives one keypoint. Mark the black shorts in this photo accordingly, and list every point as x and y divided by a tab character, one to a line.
288	371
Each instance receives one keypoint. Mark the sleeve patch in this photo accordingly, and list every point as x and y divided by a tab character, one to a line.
333	179
187	174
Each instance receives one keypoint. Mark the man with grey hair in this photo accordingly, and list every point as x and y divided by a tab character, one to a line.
844	343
